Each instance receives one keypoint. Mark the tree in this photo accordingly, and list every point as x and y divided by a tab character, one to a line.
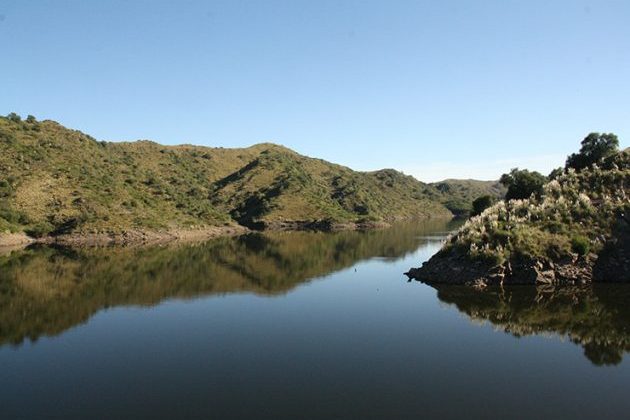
14	117
481	203
31	119
522	183
595	147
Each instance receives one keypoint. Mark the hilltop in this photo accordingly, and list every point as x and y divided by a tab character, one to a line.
58	181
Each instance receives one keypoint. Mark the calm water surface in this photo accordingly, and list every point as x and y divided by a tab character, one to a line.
299	325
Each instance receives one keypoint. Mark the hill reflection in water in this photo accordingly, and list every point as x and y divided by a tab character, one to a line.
45	290
595	317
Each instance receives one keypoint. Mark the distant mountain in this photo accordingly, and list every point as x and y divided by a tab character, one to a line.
55	180
458	194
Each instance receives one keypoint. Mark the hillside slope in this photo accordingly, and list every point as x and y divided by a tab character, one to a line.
458	194
577	231
57	181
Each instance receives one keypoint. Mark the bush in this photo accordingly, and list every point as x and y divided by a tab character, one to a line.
39	230
14	117
580	245
9	214
481	203
521	184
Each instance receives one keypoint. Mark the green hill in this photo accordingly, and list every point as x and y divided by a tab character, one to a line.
576	230
56	180
458	194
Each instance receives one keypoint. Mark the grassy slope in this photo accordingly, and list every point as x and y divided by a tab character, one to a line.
58	180
577	214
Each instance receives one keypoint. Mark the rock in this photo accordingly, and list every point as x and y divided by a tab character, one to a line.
450	269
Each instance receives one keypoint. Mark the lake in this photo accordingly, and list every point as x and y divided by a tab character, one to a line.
299	325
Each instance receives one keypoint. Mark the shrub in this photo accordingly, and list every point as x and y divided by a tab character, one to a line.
481	203
9	214
14	117
580	245
38	230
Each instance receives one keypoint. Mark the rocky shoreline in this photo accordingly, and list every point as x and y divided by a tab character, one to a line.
124	238
134	237
458	269
321	225
611	265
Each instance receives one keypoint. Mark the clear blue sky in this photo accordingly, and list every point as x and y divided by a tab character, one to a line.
436	89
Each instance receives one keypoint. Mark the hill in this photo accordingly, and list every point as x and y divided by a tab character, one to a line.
577	230
59	181
458	194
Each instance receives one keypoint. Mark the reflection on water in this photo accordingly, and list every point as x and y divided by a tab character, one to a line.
360	342
45	290
595	317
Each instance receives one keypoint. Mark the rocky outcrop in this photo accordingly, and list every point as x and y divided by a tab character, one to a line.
611	265
449	268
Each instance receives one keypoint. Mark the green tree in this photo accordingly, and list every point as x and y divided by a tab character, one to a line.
481	203
31	119
522	183
595	147
14	117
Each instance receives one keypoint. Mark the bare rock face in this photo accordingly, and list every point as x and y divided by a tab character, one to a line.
444	268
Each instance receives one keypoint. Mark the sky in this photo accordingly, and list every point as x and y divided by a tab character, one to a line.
441	89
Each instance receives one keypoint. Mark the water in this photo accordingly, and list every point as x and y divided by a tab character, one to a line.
298	325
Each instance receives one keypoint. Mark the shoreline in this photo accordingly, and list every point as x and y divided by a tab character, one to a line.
141	237
132	237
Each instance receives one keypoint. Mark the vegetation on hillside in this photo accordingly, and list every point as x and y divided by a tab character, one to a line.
482	203
571	220
55	180
574	214
521	184
458	194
